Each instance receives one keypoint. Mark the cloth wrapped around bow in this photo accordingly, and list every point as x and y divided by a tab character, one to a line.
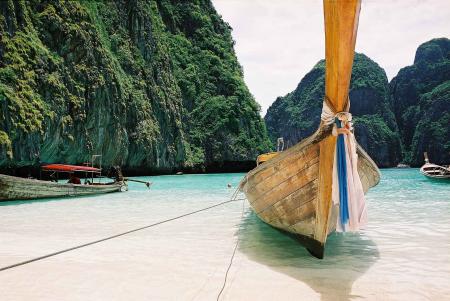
347	189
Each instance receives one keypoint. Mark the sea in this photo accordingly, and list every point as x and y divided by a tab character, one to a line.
403	254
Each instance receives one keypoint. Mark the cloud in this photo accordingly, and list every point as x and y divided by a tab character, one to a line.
278	42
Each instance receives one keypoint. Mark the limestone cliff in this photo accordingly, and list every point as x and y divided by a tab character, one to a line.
151	85
421	97
297	115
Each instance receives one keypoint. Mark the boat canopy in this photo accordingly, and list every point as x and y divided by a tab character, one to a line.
69	168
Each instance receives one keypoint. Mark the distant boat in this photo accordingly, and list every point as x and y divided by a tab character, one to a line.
434	171
291	190
16	188
401	165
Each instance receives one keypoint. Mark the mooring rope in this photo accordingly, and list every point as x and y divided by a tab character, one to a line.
232	256
232	199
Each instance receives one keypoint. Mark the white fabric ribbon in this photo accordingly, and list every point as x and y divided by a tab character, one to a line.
356	200
327	115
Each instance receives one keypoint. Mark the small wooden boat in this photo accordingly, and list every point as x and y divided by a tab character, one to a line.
292	190
434	171
15	188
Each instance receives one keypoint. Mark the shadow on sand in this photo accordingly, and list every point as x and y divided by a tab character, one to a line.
347	257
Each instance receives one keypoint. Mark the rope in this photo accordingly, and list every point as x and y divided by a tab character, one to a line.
232	257
233	199
329	113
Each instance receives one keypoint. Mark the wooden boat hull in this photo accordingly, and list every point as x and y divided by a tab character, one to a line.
15	188
436	172
285	192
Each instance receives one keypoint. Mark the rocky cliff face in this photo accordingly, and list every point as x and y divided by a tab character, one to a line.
297	115
150	85
421	97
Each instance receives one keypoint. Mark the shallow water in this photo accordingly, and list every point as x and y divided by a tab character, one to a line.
404	254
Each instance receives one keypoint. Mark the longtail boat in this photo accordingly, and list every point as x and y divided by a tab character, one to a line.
16	188
435	171
292	190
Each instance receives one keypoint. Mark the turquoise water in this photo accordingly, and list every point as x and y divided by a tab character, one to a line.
404	254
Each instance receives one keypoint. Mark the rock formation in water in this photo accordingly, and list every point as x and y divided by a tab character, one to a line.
150	85
297	115
421	98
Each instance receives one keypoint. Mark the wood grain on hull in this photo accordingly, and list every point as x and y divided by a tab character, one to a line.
284	191
14	188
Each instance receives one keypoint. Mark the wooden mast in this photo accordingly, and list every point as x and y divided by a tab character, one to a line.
341	24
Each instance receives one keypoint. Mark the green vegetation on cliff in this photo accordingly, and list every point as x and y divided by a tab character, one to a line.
421	98
297	115
432	133
211	84
151	85
395	122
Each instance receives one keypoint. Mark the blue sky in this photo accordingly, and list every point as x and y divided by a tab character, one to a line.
278	42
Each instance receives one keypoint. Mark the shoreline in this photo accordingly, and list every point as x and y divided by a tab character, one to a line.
217	168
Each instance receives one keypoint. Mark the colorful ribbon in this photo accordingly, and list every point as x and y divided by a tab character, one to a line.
342	177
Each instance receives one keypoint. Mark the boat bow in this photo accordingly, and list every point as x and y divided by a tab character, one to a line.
292	191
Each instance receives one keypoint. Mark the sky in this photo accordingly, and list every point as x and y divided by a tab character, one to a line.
278	42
